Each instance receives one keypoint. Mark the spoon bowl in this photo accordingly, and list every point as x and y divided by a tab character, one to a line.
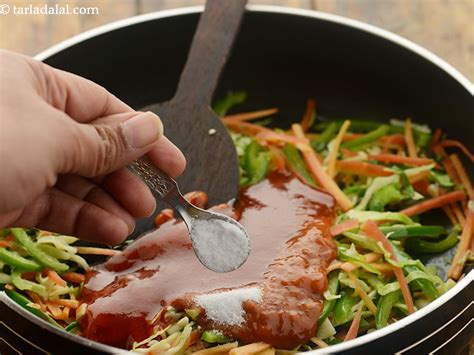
220	243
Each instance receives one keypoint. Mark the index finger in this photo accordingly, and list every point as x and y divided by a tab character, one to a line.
80	98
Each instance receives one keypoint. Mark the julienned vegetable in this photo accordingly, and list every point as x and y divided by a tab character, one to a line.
45	259
392	175
382	176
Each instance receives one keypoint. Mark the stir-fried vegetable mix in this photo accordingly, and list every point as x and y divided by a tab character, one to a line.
384	178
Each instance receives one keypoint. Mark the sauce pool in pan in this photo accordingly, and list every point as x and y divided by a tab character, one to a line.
275	297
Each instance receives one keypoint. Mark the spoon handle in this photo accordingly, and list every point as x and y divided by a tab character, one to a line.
160	184
215	34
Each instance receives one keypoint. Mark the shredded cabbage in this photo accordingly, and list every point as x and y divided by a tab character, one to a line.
363	216
326	330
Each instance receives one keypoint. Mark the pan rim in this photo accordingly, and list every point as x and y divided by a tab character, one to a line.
357	25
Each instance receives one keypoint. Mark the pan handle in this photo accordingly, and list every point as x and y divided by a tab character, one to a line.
212	42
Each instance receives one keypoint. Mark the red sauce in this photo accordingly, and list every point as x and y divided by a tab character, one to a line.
288	223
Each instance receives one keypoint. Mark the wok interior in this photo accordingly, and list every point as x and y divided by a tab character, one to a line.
281	60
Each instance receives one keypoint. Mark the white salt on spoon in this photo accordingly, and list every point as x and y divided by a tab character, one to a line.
220	242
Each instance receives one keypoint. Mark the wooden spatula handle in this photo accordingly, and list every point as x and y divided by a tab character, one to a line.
212	42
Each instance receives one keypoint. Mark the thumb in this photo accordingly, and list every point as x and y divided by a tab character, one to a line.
102	147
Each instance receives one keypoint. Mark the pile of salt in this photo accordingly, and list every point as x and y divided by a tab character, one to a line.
225	307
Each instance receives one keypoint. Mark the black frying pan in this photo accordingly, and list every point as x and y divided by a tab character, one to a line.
282	57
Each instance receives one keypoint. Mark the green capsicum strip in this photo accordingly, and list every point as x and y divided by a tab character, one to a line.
213	336
396	232
357	125
16	261
256	163
426	286
221	107
325	137
426	247
370	137
24	302
44	258
333	288
342	312
297	164
384	307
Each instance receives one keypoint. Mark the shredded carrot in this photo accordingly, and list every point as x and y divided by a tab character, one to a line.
164	216
362	294
371	229
97	251
217	350
392	140
362	168
55	310
53	276
65	303
318	172
463	176
271	137
277	158
435	202
421	186
344	227
457	144
249	349
409	139
197	198
396	159
262	134
319	342
5	244
466	237
458	213
419	177
29	275
354	328
253	115
436	137
7	241
332	158
37	299
244	127
65	313
446	162
74	277
347	152
450	213
385	268
308	114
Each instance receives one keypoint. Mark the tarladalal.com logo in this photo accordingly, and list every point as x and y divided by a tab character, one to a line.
46	9
4	9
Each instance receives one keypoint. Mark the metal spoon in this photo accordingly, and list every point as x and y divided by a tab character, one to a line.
220	243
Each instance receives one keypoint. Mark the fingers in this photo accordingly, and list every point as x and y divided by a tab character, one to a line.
80	98
85	190
96	149
166	156
131	192
59	212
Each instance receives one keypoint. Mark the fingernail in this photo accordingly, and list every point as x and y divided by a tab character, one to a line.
142	130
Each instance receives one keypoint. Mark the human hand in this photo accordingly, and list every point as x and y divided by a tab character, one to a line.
64	143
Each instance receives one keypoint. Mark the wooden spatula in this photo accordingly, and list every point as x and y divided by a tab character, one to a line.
188	119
